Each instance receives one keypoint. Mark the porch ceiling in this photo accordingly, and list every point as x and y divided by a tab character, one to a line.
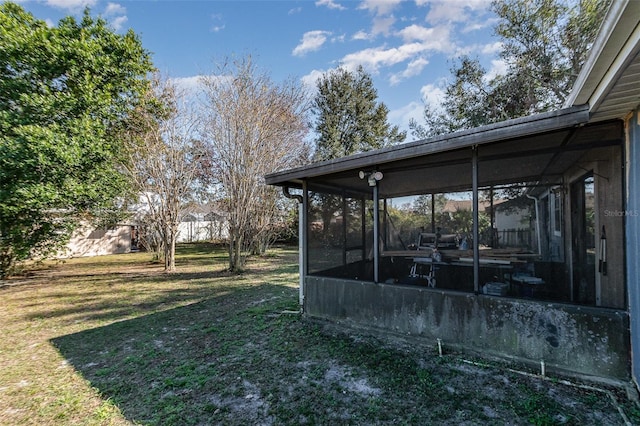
535	149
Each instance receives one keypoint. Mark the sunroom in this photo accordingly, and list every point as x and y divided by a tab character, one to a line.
506	239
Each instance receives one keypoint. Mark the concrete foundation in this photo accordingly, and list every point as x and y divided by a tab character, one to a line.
577	340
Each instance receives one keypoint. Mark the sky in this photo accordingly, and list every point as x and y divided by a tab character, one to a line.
408	47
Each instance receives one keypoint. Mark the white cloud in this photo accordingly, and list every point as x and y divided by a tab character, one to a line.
311	41
418	41
487	50
498	67
187	84
72	5
401	117
382	25
116	14
379	7
310	81
295	10
330	4
114	9
416	32
432	95
361	35
454	11
414	68
118	22
479	25
383	18
434	38
218	23
372	59
492	49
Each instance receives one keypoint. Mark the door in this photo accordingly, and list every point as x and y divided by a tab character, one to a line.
583	240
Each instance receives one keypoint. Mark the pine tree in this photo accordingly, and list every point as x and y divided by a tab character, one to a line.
348	118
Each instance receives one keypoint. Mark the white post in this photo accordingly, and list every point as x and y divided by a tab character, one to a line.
376	233
301	237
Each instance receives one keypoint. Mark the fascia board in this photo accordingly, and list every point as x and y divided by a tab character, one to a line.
610	53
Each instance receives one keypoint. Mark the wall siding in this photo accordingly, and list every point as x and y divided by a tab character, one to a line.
632	227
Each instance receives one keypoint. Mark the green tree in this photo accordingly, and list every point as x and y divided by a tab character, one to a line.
545	44
348	118
64	92
422	205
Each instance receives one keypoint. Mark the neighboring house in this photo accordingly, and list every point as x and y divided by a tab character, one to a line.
513	223
198	223
571	299
89	240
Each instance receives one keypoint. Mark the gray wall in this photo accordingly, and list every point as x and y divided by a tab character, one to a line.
574	339
632	226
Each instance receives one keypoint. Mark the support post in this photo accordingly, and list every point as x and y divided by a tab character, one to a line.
476	228
302	240
376	233
344	229
433	213
302	235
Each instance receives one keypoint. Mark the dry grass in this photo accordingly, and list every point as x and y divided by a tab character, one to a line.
113	340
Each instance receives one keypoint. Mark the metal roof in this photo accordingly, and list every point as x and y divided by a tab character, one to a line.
524	133
506	155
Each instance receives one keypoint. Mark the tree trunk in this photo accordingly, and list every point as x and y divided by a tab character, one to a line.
170	257
170	252
235	253
7	262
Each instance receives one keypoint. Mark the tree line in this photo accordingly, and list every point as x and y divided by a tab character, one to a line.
89	129
544	44
89	132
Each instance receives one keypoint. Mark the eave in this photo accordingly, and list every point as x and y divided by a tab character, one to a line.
610	77
534	126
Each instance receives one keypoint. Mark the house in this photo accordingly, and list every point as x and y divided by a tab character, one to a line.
197	223
570	299
89	240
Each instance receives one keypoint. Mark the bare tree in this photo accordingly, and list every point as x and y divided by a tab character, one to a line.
162	153
253	127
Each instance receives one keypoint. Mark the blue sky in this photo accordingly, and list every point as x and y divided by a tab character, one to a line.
406	46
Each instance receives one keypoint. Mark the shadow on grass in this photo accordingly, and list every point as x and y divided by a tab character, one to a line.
240	357
114	296
187	365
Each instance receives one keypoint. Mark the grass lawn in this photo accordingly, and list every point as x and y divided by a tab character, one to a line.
112	340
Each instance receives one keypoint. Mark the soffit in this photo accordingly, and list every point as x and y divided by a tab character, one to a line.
610	78
623	96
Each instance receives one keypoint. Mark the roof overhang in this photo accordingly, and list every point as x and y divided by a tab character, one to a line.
525	135
609	80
